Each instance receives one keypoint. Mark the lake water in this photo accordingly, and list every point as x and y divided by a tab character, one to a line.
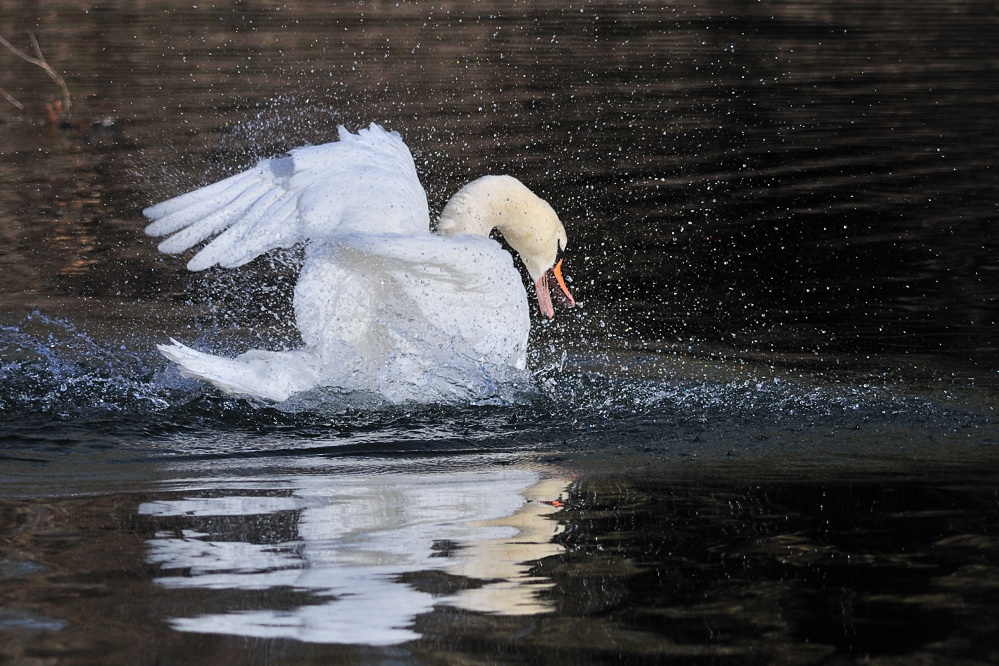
767	433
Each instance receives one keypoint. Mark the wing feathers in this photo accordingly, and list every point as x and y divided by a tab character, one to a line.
215	221
238	244
216	192
366	181
265	237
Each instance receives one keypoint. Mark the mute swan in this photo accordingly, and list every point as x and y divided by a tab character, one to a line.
382	304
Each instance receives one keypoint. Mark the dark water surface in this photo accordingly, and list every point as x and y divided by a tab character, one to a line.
768	433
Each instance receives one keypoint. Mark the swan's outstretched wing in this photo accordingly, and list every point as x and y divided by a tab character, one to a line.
364	182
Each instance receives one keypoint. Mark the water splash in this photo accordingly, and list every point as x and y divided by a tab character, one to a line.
52	373
50	366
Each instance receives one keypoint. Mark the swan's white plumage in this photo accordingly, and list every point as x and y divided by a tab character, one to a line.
263	374
364	182
382	304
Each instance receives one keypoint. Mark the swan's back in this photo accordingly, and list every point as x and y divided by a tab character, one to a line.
428	297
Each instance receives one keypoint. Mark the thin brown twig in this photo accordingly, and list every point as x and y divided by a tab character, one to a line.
40	62
10	98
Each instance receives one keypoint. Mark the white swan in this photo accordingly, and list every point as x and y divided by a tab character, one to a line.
381	303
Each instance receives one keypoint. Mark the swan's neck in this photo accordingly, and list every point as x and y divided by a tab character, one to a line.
527	223
483	205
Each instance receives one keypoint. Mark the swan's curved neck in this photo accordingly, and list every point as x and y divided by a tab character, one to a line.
527	222
481	206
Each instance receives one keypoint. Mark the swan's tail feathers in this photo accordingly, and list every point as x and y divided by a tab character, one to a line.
269	375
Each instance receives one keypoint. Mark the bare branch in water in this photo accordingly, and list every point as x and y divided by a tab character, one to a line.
40	62
10	98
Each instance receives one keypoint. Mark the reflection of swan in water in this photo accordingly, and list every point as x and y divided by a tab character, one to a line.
382	304
361	546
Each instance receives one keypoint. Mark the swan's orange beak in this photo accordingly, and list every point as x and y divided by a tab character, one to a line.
544	297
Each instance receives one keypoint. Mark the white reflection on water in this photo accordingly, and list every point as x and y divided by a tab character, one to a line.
356	535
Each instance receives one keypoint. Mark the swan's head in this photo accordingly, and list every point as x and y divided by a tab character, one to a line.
526	221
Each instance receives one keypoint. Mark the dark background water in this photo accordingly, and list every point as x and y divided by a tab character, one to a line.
774	410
